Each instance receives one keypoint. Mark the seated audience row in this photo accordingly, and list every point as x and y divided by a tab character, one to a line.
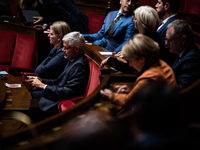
142	62
71	82
167	11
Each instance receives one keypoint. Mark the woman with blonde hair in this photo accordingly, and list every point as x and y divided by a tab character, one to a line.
54	64
146	19
143	55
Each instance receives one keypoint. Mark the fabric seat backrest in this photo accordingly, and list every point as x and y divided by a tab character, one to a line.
7	44
95	22
24	51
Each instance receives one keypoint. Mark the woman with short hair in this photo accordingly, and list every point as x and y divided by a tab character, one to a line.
143	55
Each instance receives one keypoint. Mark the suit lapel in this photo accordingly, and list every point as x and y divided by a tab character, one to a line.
67	67
110	19
118	23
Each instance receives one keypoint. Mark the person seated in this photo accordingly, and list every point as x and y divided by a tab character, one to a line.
143	55
167	10
180	40
71	83
153	126
59	10
146	22
53	65
117	29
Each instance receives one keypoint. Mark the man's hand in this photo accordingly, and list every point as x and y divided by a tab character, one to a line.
36	82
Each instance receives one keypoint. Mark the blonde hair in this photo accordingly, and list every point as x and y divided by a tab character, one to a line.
60	28
27	4
148	19
141	46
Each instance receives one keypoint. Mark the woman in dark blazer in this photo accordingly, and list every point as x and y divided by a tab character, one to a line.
55	62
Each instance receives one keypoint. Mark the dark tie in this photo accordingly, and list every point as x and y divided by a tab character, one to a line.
119	16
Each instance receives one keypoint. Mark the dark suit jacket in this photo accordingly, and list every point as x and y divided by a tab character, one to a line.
65	10
71	83
123	30
187	69
162	31
53	65
168	57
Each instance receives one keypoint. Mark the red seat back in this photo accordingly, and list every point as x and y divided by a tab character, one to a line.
7	45
24	51
95	22
93	81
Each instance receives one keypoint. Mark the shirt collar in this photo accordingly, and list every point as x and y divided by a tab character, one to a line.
164	21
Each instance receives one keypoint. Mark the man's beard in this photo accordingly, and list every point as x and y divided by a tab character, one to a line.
161	13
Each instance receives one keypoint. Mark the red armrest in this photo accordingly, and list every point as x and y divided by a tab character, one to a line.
65	104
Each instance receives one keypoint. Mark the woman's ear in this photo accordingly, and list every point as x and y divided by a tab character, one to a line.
59	38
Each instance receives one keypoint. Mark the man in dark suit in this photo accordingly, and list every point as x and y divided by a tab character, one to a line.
114	36
179	38
167	11
73	80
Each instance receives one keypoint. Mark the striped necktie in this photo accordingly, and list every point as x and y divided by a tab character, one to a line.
119	16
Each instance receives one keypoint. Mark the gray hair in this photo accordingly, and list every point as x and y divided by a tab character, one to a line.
75	39
181	27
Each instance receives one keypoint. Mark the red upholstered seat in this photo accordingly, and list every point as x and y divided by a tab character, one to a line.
95	22
7	46
93	82
24	51
14	8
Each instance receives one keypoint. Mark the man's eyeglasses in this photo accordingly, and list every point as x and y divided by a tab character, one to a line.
171	40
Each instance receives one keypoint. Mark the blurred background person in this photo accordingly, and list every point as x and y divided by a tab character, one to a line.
56	10
154	123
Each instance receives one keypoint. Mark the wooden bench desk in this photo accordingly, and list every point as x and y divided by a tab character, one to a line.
14	98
